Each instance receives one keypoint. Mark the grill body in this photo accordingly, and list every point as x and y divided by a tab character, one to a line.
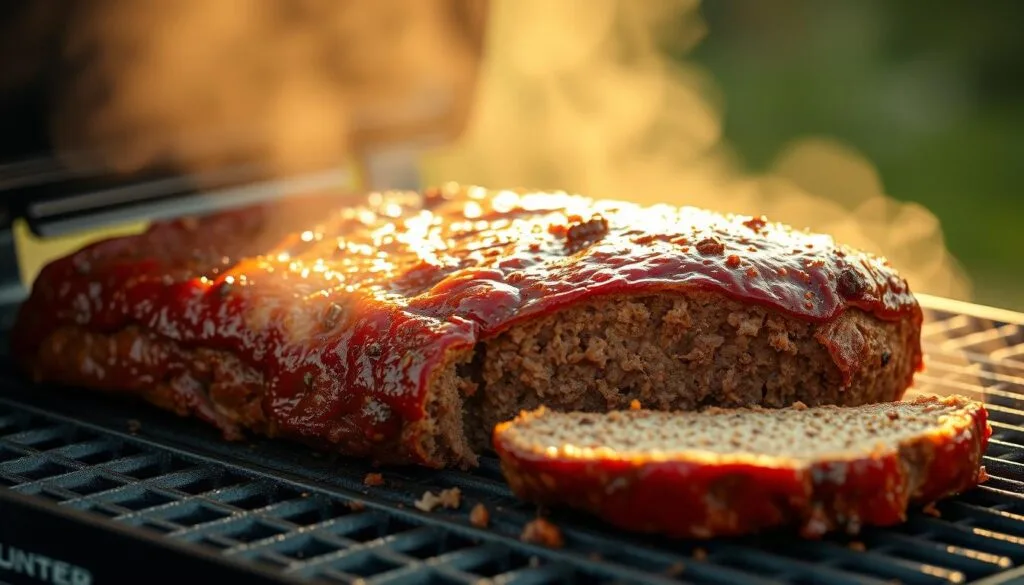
89	481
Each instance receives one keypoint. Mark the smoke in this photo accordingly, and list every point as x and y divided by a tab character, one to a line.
289	85
578	95
581	95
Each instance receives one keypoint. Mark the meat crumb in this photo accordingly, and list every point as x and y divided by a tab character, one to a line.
479	516
799	405
542	532
134	426
450	498
857	546
592	229
710	247
373	480
931	510
700	554
356	506
634	404
982	474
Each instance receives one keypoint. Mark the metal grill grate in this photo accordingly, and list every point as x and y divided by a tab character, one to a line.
301	516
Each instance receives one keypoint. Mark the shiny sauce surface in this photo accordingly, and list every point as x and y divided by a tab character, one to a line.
348	310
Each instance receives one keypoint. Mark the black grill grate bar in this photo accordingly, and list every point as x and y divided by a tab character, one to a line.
87	452
789	568
419	574
1000	471
81	483
996	444
1003	335
382	550
958	363
873	562
376	559
973	564
999	398
1006	498
549	575
973	370
255	496
469	559
30	460
239	526
1003	370
131	498
972	389
1006	418
1003	548
1003	465
988	518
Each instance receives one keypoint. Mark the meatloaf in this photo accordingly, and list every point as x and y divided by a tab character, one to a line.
728	472
402	327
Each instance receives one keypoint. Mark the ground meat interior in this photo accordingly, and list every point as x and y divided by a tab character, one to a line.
810	434
668	352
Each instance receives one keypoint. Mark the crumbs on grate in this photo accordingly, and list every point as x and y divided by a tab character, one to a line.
542	532
479	516
450	498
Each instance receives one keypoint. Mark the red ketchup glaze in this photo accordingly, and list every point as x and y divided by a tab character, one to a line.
348	311
674	498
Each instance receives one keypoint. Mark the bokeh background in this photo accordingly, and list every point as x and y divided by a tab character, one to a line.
931	92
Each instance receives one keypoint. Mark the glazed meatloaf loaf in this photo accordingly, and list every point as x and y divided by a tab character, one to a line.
403	328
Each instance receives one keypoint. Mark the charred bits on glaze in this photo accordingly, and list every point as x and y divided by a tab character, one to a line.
711	247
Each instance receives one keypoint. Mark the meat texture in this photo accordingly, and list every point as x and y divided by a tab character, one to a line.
728	472
403	326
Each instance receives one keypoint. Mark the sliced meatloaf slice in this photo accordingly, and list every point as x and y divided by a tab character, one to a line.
404	327
725	472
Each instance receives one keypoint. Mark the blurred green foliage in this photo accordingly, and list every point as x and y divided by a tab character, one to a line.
931	92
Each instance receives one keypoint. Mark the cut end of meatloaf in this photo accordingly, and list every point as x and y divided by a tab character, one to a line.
727	472
678	352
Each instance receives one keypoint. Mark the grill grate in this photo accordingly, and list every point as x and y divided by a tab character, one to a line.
299	516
